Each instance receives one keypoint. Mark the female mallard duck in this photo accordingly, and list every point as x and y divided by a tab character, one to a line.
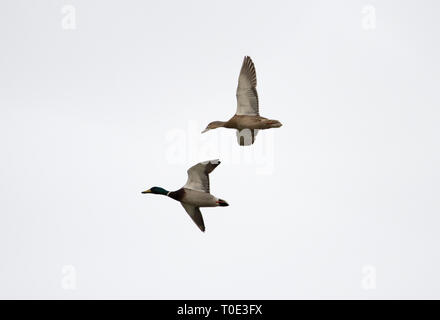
247	119
195	193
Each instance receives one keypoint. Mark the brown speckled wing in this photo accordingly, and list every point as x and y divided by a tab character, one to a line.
247	96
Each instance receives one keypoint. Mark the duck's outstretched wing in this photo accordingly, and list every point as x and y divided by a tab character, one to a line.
198	175
195	214
246	137
247	96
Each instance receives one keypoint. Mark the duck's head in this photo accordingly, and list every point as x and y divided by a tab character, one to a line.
214	125
156	190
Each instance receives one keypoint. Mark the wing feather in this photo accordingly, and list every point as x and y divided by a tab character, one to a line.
247	96
195	214
246	137
198	175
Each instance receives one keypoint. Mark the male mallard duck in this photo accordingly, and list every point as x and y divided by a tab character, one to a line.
195	193
247	119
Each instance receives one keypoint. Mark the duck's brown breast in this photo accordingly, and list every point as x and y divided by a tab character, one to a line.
178	194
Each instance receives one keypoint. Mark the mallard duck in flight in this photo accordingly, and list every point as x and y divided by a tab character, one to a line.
247	119
195	193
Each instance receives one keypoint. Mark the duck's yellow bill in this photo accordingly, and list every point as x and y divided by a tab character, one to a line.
147	191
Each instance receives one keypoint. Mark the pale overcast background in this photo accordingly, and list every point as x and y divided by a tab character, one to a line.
341	202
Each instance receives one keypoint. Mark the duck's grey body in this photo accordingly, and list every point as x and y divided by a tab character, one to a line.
199	198
195	193
247	120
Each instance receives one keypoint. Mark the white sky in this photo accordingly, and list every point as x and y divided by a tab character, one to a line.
91	117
